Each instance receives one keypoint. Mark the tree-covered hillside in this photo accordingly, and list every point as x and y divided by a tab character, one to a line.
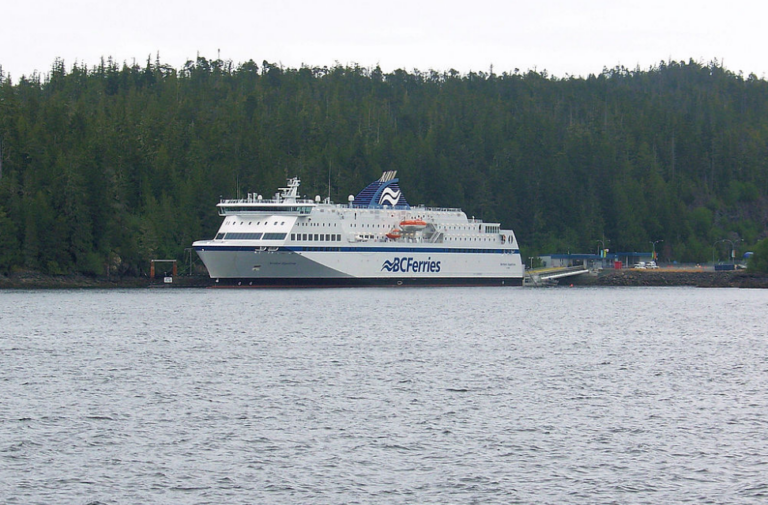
105	168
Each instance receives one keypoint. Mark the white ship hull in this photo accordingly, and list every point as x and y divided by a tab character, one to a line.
292	242
359	266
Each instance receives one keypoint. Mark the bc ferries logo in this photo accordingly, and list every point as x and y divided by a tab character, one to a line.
390	196
409	265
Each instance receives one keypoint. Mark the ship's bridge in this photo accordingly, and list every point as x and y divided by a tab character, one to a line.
241	207
284	202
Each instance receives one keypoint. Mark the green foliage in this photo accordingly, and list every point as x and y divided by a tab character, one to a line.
759	260
106	168
9	246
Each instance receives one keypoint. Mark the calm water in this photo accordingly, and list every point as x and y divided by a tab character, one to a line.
486	395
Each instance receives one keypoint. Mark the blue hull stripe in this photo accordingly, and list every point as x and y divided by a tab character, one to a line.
425	250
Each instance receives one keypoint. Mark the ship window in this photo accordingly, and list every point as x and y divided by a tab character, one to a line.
274	236
250	222
303	236
242	236
282	223
310	237
293	236
219	236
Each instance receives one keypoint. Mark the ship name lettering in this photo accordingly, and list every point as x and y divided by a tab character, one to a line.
408	264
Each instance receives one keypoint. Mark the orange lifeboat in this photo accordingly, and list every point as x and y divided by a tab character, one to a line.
412	225
394	234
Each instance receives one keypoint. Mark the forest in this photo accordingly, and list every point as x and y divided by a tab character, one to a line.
105	168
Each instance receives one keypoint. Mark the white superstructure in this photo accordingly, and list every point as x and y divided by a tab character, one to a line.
375	239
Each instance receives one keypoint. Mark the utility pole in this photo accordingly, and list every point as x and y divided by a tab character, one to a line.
653	254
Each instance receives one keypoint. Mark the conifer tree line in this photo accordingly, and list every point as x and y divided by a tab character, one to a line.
105	168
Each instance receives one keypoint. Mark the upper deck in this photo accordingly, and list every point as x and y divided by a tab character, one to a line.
284	202
381	195
380	198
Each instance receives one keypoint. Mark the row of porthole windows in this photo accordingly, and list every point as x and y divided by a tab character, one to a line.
488	229
234	223
314	237
470	239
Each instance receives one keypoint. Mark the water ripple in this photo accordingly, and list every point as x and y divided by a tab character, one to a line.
342	396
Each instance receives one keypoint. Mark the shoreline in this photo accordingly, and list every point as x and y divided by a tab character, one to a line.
606	278
34	280
662	278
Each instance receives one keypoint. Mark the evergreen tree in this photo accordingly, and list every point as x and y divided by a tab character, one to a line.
9	246
104	169
759	260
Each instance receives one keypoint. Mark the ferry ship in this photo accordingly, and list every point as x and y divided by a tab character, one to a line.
376	238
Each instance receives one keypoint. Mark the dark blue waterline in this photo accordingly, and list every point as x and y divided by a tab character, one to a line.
284	282
425	250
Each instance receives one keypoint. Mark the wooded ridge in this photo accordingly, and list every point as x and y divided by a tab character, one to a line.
102	169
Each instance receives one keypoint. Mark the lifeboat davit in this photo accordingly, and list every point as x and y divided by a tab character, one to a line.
411	225
394	234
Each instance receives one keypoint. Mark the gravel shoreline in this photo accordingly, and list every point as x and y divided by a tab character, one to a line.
733	279
723	279
33	280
